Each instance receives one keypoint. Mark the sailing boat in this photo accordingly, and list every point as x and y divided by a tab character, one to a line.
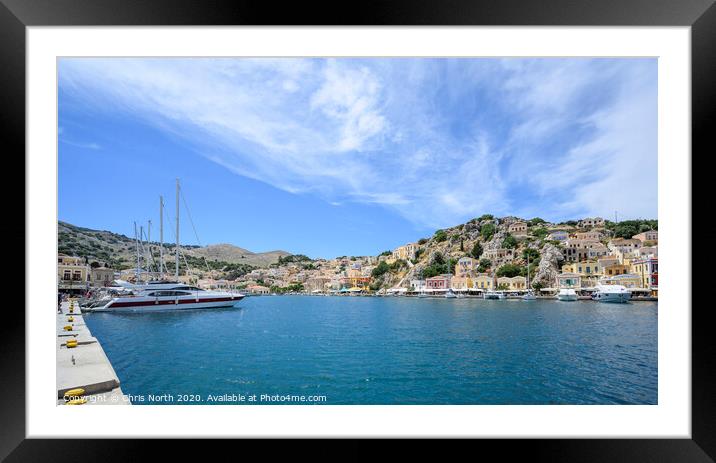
167	295
530	296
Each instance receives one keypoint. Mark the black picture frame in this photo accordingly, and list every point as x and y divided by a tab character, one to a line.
700	15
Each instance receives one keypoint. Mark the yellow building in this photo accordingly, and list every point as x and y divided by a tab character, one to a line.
465	267
582	268
461	283
406	252
648	271
484	281
516	283
615	269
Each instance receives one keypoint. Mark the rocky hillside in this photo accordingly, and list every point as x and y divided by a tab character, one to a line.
439	253
119	250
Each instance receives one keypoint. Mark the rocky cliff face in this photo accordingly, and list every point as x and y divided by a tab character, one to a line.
549	265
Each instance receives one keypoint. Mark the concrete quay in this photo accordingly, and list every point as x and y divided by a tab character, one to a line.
85	365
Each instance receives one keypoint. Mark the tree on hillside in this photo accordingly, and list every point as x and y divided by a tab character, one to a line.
629	228
440	236
510	242
536	221
437	266
476	251
379	270
509	270
487	231
532	253
484	266
540	232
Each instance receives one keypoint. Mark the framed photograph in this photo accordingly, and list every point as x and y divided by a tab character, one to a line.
418	220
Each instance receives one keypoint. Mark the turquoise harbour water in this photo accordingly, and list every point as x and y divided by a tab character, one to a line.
396	350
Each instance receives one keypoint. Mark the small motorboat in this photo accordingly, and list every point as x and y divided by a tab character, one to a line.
567	295
611	293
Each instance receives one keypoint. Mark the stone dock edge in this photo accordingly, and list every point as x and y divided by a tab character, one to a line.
82	363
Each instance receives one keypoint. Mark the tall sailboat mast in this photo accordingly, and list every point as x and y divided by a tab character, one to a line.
176	265
136	243
161	238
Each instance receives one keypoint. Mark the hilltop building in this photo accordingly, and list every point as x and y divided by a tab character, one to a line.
406	252
591	222
651	235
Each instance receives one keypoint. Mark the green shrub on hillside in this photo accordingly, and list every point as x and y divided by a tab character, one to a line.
509	270
487	231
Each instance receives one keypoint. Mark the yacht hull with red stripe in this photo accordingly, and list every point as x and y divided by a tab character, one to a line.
152	304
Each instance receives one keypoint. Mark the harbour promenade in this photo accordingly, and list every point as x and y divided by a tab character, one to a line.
84	373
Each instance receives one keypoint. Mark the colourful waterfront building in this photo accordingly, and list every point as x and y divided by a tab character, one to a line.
461	283
355	281
484	281
615	269
648	271
516	283
418	285
438	282
72	273
569	281
582	268
628	280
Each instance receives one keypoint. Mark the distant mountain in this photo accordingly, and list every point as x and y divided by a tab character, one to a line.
236	255
119	250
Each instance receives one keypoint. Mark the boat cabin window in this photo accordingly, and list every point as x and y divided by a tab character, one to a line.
188	288
168	293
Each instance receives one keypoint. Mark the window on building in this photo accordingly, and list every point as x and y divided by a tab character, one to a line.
67	275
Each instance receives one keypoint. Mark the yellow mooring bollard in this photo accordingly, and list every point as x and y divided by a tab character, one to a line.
67	328
71	319
75	397
72	343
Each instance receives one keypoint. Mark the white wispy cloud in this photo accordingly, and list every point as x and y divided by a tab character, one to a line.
438	141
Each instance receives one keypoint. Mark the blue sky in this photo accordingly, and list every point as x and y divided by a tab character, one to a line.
330	157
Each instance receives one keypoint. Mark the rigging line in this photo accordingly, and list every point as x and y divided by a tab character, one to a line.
188	213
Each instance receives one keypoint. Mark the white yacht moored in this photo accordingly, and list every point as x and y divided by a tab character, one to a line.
611	293
567	295
450	294
168	296
494	295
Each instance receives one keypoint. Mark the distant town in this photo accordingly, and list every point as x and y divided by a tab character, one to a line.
506	254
